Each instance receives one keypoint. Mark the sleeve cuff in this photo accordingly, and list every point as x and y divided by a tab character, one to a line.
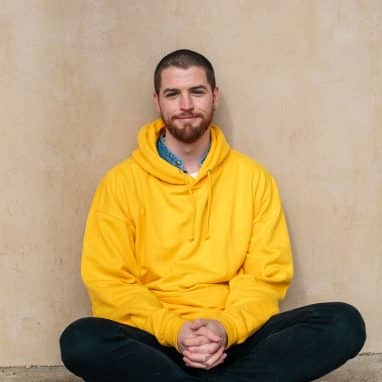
172	329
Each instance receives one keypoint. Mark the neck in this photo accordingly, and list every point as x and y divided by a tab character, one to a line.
189	153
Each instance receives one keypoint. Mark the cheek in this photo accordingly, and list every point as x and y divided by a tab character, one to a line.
168	109
205	106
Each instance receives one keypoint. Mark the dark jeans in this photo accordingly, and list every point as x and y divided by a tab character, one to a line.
299	345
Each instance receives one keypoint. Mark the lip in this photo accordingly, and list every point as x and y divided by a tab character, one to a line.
188	117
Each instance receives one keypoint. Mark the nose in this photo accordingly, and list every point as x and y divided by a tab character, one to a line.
186	102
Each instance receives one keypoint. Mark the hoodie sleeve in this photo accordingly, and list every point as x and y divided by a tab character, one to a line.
267	271
110	269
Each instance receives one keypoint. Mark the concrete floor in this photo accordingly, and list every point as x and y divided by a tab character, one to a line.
364	368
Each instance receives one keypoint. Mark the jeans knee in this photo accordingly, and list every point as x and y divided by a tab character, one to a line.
350	325
78	346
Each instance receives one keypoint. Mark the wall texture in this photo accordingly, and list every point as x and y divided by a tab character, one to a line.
302	93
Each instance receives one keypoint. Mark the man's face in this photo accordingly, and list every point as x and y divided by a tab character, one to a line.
186	102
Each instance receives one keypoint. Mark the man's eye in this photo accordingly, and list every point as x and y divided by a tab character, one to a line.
171	95
198	92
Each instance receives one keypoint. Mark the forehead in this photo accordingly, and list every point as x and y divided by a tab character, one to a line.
178	78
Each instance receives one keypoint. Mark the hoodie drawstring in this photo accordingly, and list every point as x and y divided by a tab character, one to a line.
207	236
209	202
192	235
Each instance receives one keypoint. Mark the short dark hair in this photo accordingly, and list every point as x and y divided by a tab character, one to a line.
184	58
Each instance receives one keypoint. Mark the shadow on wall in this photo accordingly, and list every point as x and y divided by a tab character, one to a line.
223	120
296	295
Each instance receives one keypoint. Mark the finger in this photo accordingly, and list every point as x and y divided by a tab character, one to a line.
203	331
215	357
196	357
195	341
218	362
210	348
197	324
203	365
198	365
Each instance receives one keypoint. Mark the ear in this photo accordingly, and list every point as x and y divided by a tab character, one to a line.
156	101
216	97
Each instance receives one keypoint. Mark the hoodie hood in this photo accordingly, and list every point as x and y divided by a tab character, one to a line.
147	157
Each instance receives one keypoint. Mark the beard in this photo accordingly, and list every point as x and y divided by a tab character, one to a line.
188	132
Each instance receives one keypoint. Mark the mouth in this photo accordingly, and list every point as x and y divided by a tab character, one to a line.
187	117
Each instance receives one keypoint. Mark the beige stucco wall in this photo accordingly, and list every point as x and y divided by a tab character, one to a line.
302	93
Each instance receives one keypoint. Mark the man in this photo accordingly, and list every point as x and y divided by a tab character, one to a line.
186	256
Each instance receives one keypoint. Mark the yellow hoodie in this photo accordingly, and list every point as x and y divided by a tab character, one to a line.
161	247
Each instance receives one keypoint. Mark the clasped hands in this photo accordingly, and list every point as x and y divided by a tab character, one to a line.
202	343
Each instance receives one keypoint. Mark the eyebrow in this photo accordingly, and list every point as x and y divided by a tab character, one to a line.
198	87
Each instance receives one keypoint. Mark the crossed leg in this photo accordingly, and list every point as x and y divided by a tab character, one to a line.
295	346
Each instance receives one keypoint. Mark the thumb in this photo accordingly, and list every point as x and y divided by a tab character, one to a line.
197	324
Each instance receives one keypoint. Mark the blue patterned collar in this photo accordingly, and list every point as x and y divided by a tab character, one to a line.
171	158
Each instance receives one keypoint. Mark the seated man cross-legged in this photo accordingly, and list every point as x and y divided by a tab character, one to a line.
186	256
